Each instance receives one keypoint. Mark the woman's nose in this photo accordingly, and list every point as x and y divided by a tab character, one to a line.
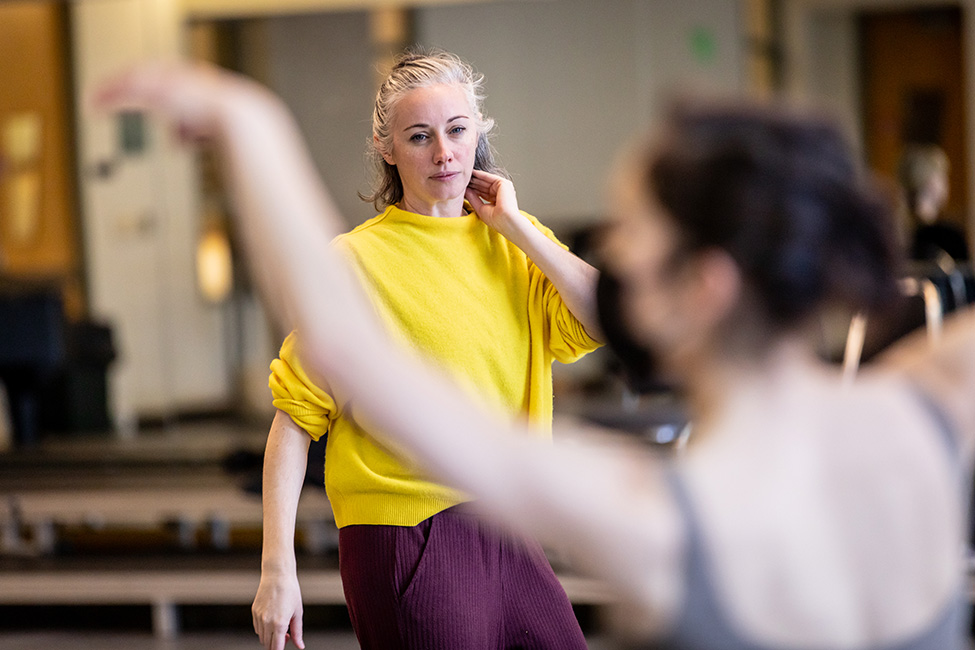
442	152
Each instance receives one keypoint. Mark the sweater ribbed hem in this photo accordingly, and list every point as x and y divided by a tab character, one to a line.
390	509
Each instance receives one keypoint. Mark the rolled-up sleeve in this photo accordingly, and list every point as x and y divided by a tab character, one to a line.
568	340
310	406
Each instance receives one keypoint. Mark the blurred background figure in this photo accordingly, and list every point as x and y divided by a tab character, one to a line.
923	175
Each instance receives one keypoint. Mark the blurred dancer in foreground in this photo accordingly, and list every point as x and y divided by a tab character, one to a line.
803	514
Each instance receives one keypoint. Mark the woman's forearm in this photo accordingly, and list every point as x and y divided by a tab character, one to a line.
493	199
285	458
574	278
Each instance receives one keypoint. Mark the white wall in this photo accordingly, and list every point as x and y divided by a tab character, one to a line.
321	64
140	225
570	81
834	80
822	61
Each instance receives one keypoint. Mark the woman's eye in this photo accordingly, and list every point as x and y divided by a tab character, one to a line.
418	137
458	129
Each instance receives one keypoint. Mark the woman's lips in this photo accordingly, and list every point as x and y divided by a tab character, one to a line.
445	176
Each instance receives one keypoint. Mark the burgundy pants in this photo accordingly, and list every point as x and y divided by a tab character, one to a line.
453	582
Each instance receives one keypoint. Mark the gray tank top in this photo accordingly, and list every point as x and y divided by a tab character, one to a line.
704	625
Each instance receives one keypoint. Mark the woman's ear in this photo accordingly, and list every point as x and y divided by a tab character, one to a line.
717	286
387	156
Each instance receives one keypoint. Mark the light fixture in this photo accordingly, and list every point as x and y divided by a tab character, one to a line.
214	259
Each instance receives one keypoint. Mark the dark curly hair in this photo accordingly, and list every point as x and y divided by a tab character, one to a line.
780	192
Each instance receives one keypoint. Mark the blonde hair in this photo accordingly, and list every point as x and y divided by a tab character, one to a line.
917	166
418	68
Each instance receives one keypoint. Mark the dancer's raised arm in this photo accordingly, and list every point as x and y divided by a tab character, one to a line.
945	371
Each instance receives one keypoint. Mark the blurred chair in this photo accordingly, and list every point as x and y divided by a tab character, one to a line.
920	306
954	280
31	349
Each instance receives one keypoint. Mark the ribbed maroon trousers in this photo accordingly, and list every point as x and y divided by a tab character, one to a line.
453	582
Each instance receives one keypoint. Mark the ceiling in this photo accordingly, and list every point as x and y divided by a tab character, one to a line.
201	9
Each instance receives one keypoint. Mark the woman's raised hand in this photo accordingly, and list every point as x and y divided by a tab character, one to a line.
493	199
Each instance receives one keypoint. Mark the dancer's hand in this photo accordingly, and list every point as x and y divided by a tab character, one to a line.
193	98
263	160
493	199
277	611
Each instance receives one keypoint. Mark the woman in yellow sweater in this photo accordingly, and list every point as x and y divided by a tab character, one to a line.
459	274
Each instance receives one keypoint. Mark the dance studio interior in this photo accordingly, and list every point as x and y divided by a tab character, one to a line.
135	346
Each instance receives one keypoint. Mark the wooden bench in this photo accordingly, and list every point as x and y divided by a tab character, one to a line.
220	508
164	590
179	582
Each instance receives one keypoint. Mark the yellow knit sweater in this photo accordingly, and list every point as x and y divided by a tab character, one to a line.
459	292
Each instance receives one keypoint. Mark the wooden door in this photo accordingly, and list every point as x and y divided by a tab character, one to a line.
38	220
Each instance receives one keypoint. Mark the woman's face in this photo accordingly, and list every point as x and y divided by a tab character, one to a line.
638	250
433	144
932	197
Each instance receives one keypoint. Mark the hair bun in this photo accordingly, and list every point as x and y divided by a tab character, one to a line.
780	192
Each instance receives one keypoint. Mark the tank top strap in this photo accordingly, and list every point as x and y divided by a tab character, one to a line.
703	624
